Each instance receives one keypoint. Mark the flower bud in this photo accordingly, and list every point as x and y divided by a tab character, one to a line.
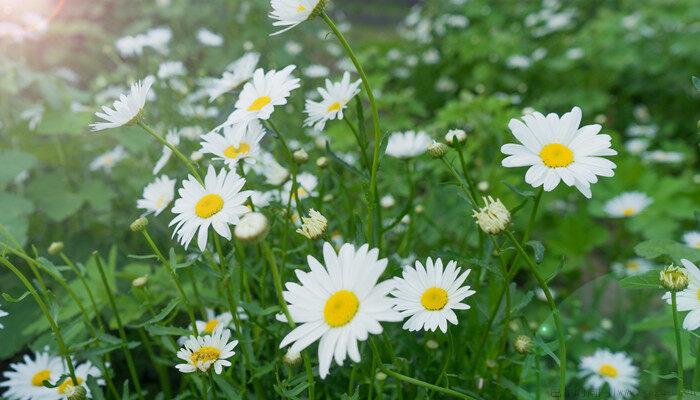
291	359
431	344
139	225
522	344
251	228
140	281
455	137
419	209
75	392
380	376
313	226
387	201
322	162
673	278
494	217
55	248
300	156
437	149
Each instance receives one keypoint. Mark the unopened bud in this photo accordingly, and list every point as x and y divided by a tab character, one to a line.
55	248
139	225
322	162
300	156
523	344
380	376
673	278
251	228
431	344
437	149
140	281
455	137
313	226
494	217
292	359
75	392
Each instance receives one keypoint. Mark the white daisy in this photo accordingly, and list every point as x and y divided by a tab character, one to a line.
260	96
633	266
215	321
428	295
336	96
262	199
316	71
290	13
209	38
234	144
157	195
126	109
306	186
24	380
615	369
200	353
158	39
82	371
170	69
238	72
689	298
274	173
339	303
408	144
692	239
173	137
108	160
218	203
556	149
627	204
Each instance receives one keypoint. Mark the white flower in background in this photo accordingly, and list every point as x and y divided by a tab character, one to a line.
692	239
647	131
260	96
157	195
293	48
556	149
518	62
24	380
235	75
203	352
189	110
3	314
191	132
234	144
428	295
82	371
262	199
108	160
218	203
575	53
129	46
339	303
627	204
408	144
252	227
455	136
158	39
387	201
127	109
688	299
174	139
316	71
274	173
306	186
615	369
215	321
209	38
33	116
170	69
290	13
335	97
636	146
664	157
633	266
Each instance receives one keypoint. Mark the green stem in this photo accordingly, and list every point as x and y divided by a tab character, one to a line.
696	371
177	152
465	171
555	311
464	186
82	279
679	347
120	327
360	142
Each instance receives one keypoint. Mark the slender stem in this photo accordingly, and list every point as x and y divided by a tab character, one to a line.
696	371
465	187
120	327
465	171
374	223
555	311
362	145
82	279
176	280
177	152
52	323
679	347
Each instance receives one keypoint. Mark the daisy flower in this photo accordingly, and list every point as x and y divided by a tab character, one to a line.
335	98
82	371
262	199
274	173
692	239
615	369
157	195
339	303
218	203
689	298
306	186
428	295
108	160
556	149
236	73
627	204
3	314
24	380
215	321
200	353
169	69
260	96
408	144
290	13
633	266
174	139
235	144
209	38
125	110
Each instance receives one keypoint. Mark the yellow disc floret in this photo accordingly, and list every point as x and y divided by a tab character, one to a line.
41	376
556	155
259	103
434	299
68	383
340	308
233	151
334	107
209	205
205	354
608	371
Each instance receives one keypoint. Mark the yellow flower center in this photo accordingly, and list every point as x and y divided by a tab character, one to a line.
259	103
301	192
628	212
697	245
209	205
434	299
632	265
41	376
233	152
608	371
698	295
211	325
205	354
556	155
340	308
68	383
334	107
301	8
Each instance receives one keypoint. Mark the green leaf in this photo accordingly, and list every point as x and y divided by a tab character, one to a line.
12	163
647	280
95	389
537	249
14	218
53	196
158	330
161	315
58	122
663	247
520	192
11	299
226	387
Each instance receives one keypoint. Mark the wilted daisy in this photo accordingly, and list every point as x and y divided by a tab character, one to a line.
692	239
24	380
173	138
260	96
157	195
202	352
236	73
108	160
627	204
313	226
306	186
615	369
633	266
688	299
408	144
335	97
556	149
428	295
82	371
125	110
290	13
234	144
339	303
218	203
